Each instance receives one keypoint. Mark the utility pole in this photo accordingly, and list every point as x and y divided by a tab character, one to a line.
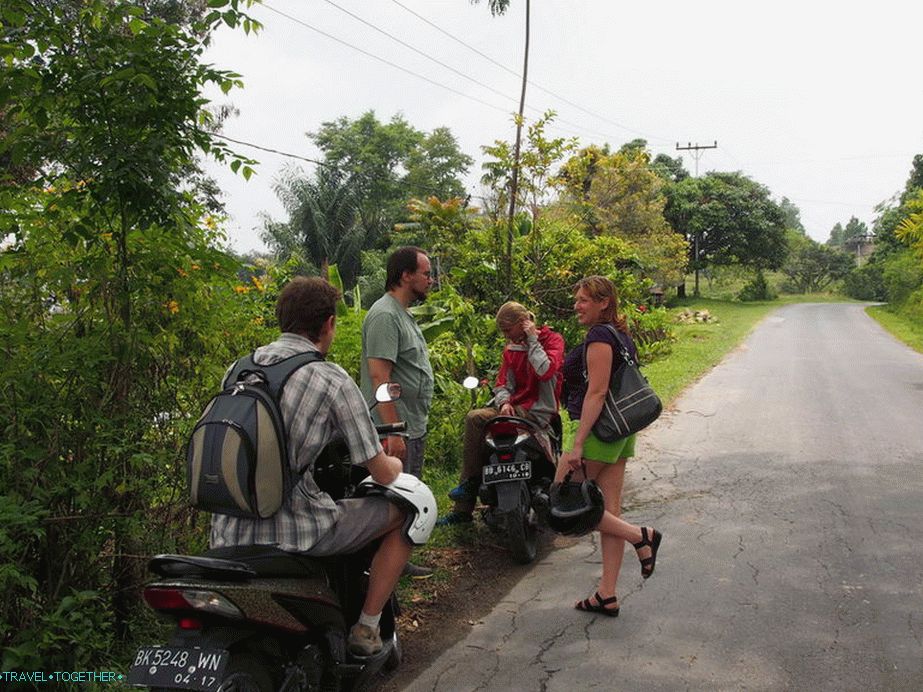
697	154
697	149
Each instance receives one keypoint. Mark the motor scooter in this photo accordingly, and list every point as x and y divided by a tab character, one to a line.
257	619
516	477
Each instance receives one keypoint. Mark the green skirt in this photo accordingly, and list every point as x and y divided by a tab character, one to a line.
595	449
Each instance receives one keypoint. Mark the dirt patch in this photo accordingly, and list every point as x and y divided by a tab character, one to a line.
439	611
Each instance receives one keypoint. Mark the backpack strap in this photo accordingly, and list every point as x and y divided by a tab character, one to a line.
275	375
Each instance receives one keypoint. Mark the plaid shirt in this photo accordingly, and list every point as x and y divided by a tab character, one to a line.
320	403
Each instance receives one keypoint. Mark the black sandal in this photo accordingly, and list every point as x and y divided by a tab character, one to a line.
587	606
647	564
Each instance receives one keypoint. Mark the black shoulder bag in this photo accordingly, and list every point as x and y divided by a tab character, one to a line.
631	405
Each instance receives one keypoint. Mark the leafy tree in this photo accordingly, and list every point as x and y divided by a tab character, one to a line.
792	215
114	298
854	234
437	226
669	169
634	148
619	194
837	235
388	163
729	219
323	226
866	282
812	267
914	180
910	230
537	187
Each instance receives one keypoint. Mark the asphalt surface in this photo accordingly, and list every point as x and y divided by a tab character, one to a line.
788	483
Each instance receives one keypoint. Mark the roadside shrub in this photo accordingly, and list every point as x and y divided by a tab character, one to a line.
757	289
902	275
866	283
650	329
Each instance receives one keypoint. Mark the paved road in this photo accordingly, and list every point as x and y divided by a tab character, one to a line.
789	485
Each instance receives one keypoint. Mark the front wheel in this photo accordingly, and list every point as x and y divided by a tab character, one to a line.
522	529
246	673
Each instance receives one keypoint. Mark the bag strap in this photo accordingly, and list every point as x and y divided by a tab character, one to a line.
623	352
274	375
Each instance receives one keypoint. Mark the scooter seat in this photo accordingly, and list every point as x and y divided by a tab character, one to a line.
237	563
171	566
268	561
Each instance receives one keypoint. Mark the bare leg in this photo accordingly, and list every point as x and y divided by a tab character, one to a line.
387	565
613	530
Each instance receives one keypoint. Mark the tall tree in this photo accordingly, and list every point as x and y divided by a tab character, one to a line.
726	219
669	169
837	234
914	180
389	163
323	225
812	267
500	7
792	215
109	291
621	195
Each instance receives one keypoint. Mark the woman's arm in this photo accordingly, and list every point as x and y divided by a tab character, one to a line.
599	367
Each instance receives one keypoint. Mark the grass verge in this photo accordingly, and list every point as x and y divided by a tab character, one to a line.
899	326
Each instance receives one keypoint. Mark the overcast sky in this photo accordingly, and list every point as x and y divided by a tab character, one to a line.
820	101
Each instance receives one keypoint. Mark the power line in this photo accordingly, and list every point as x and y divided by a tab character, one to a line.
380	59
534	109
325	164
528	81
417	50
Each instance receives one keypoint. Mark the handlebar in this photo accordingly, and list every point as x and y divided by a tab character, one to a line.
391	428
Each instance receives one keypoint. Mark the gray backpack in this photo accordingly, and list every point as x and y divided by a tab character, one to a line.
237	459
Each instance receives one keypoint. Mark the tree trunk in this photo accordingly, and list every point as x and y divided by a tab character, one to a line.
514	183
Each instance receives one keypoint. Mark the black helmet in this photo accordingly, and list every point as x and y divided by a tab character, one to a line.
576	507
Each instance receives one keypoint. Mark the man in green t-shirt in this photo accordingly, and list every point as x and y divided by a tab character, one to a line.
394	350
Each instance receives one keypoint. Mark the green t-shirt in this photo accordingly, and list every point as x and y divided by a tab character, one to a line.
389	332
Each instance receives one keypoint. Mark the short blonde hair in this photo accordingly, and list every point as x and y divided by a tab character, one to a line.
512	313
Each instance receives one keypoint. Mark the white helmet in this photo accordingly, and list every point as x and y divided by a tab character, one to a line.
411	494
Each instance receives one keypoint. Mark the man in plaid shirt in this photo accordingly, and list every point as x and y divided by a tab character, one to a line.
321	403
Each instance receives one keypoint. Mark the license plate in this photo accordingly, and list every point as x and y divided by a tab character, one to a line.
178	667
514	471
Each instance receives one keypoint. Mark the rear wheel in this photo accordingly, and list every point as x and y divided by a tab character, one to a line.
246	673
522	528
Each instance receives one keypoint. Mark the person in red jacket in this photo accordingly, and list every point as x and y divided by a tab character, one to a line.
528	385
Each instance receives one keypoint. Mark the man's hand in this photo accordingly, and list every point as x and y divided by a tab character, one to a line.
384	469
528	327
395	446
507	410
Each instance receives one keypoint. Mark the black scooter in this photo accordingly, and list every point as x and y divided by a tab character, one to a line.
516	478
256	619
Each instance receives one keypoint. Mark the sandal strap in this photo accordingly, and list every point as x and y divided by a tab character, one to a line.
604	601
645	539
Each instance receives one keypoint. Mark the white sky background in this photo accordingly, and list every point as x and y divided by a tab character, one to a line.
819	101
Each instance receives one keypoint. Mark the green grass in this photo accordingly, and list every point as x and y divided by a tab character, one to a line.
899	326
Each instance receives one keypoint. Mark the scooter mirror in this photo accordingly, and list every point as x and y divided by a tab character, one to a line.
470	382
388	391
